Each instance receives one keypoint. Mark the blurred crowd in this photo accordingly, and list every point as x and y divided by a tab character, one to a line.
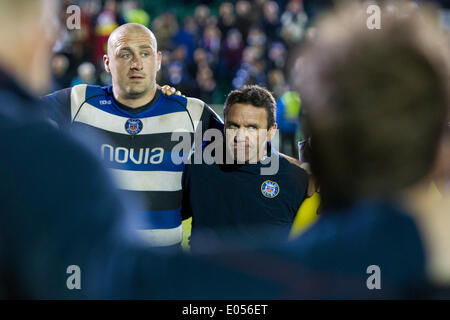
208	49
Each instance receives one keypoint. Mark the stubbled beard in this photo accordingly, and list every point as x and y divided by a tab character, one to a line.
135	94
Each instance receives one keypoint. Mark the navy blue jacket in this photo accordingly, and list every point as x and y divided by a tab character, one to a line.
237	200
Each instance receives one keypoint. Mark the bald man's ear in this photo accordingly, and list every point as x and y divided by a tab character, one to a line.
106	63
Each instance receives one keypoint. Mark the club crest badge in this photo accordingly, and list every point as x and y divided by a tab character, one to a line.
133	126
270	189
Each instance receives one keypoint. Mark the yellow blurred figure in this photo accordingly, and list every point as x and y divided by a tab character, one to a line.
434	192
306	216
187	224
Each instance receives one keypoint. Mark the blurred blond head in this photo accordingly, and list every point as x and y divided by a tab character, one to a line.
376	100
27	33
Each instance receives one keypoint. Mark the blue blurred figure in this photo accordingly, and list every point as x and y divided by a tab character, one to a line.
288	112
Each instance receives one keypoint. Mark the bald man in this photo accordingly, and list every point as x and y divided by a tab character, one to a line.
134	120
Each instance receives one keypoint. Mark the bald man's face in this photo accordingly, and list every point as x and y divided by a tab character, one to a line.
133	61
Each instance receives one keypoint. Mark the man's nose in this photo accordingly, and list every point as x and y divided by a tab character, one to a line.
137	63
241	135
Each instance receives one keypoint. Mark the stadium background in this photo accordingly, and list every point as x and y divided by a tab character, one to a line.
209	47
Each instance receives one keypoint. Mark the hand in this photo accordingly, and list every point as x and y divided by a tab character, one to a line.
168	90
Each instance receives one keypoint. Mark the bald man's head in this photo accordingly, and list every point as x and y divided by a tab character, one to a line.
133	61
126	29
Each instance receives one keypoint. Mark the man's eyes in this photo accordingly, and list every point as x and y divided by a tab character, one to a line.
232	126
128	55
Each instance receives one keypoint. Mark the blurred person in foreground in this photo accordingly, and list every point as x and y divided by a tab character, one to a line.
55	198
376	104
